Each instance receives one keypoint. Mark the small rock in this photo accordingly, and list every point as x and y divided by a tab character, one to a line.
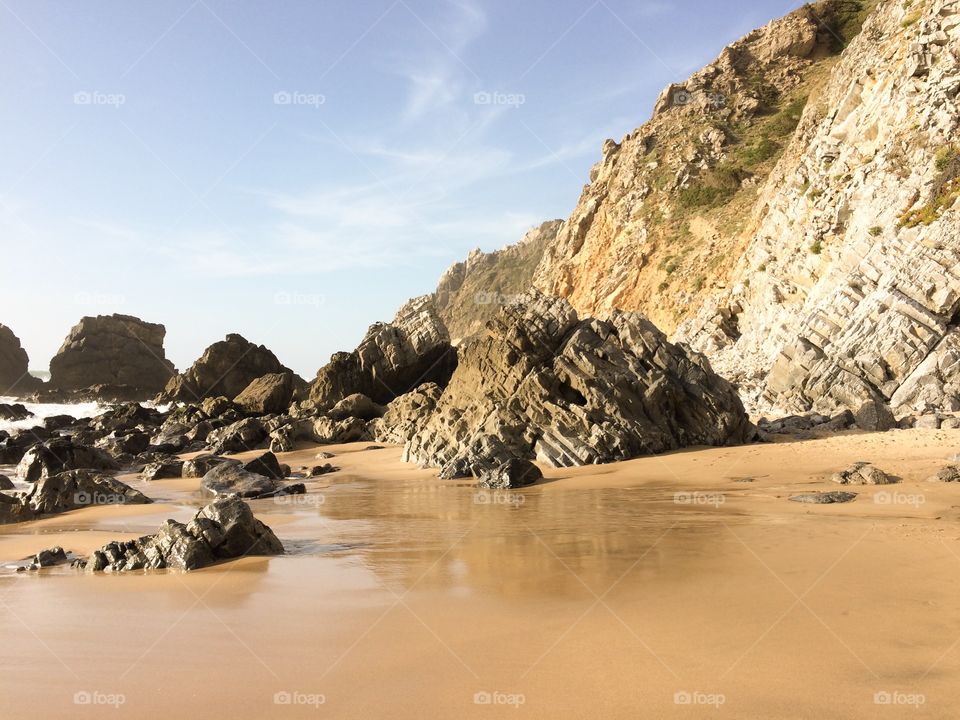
862	473
950	473
318	470
514	473
824	498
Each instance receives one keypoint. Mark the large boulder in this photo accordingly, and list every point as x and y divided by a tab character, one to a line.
223	530
392	359
58	454
268	394
544	384
232	478
239	436
14	378
226	368
406	415
66	491
113	350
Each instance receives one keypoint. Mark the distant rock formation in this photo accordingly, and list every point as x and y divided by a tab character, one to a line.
392	359
14	378
541	383
225	369
471	292
113	350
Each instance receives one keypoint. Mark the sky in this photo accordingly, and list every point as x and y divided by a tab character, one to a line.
294	171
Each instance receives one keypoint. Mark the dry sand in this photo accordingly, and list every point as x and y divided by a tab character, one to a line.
599	593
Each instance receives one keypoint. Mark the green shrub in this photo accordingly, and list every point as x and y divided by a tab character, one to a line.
875	230
817	247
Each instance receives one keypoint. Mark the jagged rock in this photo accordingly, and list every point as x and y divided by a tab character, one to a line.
267	465
356	406
14	376
14	412
58	454
128	443
48	558
514	473
232	478
875	416
824	498
325	469
271	393
331	431
214	407
59	422
225	369
14	447
243	435
544	384
948	474
163	469
69	490
405	416
118	350
862	473
200	465
223	530
6	483
391	360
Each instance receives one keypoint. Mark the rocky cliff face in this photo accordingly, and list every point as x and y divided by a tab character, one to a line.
14	378
472	292
112	350
849	288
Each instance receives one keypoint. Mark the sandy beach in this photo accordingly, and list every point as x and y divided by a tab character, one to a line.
660	587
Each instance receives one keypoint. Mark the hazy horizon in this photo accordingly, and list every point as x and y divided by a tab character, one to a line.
296	177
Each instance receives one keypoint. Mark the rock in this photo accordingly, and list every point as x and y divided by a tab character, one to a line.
543	384
200	465
58	422
14	412
49	558
214	407
948	474
59	454
824	498
284	438
950	423
14	510
391	360
927	422
129	443
324	455
163	469
862	473
514	473
875	416
117	350
243	435
75	489
405	416
356	406
267	465
327	430
232	479
6	483
225	369
325	469
223	530
14	376
271	393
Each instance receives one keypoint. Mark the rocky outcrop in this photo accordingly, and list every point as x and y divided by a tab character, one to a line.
14	377
58	454
271	393
226	368
113	350
71	490
406	415
392	359
544	384
513	473
862	473
223	530
471	292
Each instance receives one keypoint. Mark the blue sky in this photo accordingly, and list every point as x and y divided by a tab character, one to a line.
295	170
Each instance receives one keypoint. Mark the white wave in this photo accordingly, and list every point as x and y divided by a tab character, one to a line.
41	411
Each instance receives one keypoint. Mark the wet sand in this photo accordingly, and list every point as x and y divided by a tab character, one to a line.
611	591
